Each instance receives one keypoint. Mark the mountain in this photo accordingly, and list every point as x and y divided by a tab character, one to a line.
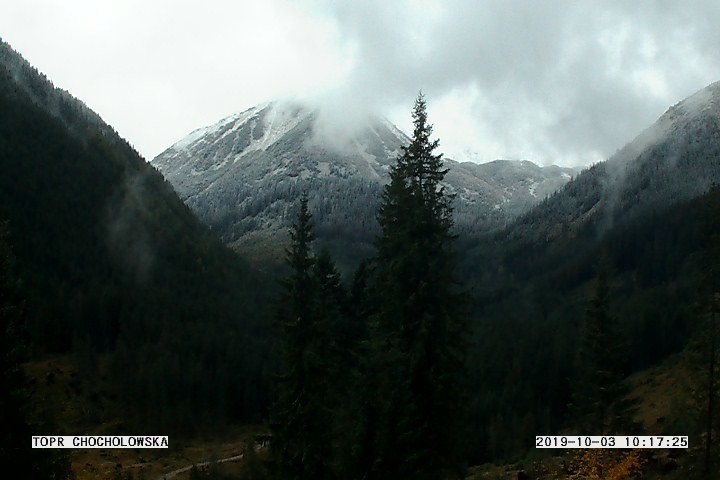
649	217
109	261
243	175
650	211
675	159
120	277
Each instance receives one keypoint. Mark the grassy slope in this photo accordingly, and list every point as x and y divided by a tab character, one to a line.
669	403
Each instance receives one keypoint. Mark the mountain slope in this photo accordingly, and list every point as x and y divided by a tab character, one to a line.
243	175
111	261
676	159
650	216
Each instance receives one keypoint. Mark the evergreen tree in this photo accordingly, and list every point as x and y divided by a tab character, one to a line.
417	334
330	294
359	299
13	415
343	336
712	353
599	402
301	416
15	411
710	298
334	322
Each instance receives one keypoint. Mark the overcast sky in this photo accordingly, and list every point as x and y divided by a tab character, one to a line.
565	82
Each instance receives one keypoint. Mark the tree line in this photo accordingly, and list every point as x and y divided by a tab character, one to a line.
372	378
398	369
189	334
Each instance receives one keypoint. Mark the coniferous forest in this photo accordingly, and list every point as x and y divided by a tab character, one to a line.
441	351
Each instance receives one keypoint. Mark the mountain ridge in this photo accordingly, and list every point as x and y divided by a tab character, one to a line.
243	174
106	253
676	158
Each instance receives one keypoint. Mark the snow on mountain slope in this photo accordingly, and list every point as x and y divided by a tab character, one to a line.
675	159
243	176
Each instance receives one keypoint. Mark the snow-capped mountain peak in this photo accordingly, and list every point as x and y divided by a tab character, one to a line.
243	174
253	129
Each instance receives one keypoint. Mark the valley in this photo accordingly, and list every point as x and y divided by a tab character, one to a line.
183	295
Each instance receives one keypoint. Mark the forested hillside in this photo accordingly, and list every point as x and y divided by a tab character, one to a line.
649	212
112	263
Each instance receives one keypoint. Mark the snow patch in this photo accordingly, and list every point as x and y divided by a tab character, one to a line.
323	169
466	194
532	188
699	102
370	159
198	134
404	139
219	165
278	171
278	121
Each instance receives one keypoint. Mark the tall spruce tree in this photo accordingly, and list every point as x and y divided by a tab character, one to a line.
417	334
301	416
599	404
335	324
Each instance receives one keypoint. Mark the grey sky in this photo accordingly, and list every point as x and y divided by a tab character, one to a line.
565	81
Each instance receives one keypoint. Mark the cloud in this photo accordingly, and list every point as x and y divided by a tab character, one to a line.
157	70
557	81
553	81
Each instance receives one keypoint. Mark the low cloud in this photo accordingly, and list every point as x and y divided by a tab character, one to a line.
128	239
559	81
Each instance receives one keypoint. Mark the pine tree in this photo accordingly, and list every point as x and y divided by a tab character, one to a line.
710	293
301	417
417	334
13	415
16	420
335	323
599	402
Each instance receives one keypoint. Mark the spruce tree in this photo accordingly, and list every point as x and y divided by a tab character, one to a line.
16	422
301	417
710	299
599	404
417	334
13	401
334	322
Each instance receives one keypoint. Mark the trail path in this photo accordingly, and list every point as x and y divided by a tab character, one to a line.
174	473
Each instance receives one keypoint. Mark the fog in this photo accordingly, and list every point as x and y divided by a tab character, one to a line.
561	81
